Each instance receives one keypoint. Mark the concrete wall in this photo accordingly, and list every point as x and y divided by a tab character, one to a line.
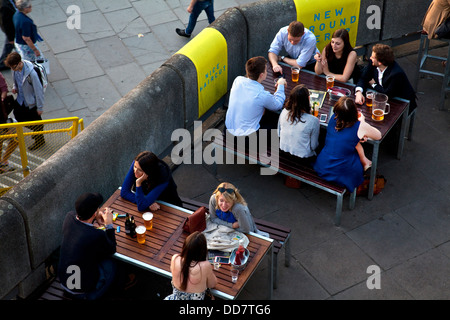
31	214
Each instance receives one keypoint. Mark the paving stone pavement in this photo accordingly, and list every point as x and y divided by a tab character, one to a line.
404	231
119	43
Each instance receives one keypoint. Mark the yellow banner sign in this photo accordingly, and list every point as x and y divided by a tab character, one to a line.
323	17
208	51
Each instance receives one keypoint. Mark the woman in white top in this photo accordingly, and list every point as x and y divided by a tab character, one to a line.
192	274
298	129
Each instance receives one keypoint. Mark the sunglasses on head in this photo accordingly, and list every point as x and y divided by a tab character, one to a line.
223	189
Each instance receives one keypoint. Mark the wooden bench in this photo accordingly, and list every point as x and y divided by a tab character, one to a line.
291	169
281	235
54	292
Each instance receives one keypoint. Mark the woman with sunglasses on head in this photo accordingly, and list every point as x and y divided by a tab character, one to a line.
227	207
149	179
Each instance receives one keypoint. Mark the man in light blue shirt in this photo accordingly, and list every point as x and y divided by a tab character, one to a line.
298	42
248	99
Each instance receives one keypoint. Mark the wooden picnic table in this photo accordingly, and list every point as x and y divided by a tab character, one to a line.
167	238
399	109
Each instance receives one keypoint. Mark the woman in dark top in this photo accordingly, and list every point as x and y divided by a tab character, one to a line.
338	58
149	179
26	32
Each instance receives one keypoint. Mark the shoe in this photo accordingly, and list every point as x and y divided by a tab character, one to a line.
36	145
132	281
182	33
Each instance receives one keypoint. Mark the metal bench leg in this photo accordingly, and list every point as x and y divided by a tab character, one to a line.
419	61
275	270
412	117
444	87
352	200
337	219
287	252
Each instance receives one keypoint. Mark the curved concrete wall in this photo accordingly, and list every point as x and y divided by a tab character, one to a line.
31	214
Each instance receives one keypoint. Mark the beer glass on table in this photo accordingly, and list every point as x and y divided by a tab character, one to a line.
140	232
330	82
148	220
295	74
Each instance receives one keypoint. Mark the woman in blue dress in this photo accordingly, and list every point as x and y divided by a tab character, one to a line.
339	160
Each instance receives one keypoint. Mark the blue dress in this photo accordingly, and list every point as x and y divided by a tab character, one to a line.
339	161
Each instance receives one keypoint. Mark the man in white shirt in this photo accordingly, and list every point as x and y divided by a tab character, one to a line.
248	99
298	42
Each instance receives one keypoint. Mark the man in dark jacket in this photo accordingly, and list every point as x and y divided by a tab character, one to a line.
386	76
86	269
7	10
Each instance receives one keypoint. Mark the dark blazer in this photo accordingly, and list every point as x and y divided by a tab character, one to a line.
395	83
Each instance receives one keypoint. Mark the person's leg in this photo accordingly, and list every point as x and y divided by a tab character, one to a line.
108	270
196	10
210	12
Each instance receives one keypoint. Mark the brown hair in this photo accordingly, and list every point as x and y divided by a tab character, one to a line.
13	59
346	113
255	66
194	250
342	34
298	103
384	53
296	29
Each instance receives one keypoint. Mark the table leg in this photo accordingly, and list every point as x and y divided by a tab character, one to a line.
270	272
401	138
373	169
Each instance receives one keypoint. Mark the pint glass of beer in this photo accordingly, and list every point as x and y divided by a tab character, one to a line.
369	98
330	82
140	232
148	220
295	74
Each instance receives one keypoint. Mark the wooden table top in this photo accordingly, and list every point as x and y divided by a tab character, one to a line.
167	238
318	82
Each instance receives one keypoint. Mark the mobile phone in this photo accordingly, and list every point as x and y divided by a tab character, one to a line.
222	260
323	117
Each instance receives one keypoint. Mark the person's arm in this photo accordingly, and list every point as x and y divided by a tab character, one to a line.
243	217
38	91
31	45
275	101
191	6
145	201
308	50
211	279
315	134
348	70
127	184
3	87
367	131
274	50
320	61
363	81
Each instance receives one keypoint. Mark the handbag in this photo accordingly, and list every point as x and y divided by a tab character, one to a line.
363	189
196	221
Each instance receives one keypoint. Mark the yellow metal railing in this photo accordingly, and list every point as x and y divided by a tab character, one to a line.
50	136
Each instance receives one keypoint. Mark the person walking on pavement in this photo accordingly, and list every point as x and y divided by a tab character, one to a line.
7	11
195	8
30	95
27	37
